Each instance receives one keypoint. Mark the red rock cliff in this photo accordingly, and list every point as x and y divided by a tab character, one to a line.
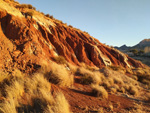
25	42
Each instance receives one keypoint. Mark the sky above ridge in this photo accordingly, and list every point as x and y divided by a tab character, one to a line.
114	22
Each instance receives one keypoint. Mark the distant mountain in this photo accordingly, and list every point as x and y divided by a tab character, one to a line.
141	45
141	51
123	47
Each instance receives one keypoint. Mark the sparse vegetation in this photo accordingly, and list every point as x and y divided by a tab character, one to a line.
58	74
118	81
88	77
99	91
49	16
38	92
29	6
142	75
3	76
133	90
30	13
60	60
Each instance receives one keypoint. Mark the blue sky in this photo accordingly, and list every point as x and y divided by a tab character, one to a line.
114	22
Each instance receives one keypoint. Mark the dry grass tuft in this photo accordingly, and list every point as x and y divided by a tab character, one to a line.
126	87
122	89
90	68
37	91
113	89
60	105
111	81
115	68
3	76
133	90
134	77
99	91
72	68
148	98
58	74
106	84
88	77
8	107
118	81
60	60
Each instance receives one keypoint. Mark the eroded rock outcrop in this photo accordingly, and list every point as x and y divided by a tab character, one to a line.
27	42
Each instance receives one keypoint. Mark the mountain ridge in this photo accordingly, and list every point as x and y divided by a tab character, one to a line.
141	45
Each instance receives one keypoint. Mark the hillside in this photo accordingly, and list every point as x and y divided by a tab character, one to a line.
140	51
47	66
144	43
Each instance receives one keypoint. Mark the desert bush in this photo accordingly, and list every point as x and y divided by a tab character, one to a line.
126	87
3	76
15	90
51	16
148	98
145	81
47	15
59	75
72	68
38	85
133	90
91	68
70	26
60	105
106	71
113	89
142	75
8	107
106	84
36	89
29	6
118	81
111	81
122	89
116	87
60	60
88	77
30	13
99	91
115	68
128	70
134	77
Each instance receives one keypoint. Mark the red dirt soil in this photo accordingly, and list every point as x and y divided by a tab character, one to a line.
82	100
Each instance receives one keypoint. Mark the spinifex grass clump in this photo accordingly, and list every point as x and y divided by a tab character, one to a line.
99	91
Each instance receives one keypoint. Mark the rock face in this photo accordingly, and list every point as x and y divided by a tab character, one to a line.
27	42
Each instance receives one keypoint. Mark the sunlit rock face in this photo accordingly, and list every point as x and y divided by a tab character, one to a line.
27	42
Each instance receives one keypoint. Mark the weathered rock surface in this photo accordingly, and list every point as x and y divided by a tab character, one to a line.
28	42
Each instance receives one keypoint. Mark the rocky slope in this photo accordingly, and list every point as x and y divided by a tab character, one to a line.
27	41
30	39
144	43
